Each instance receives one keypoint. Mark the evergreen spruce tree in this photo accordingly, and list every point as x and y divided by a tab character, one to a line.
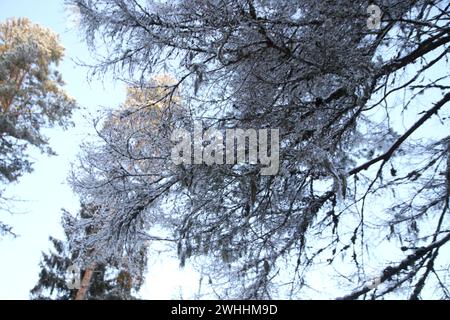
108	281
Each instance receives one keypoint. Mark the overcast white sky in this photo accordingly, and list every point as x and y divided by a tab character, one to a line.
43	193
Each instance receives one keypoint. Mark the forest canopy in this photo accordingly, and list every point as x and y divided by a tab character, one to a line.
362	192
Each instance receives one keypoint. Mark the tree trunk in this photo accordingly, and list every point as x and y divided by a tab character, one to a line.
85	283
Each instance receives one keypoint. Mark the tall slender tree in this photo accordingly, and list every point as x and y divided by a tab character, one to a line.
31	95
141	113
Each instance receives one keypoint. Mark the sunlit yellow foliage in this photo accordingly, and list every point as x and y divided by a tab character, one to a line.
18	37
144	117
144	105
155	95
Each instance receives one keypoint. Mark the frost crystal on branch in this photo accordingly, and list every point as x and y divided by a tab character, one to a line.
346	101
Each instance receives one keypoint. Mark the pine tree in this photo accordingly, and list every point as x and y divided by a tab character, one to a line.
31	95
141	128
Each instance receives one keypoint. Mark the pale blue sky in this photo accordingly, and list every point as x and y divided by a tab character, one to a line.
45	191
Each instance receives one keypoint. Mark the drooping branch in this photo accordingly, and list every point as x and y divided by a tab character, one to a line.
388	154
389	272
